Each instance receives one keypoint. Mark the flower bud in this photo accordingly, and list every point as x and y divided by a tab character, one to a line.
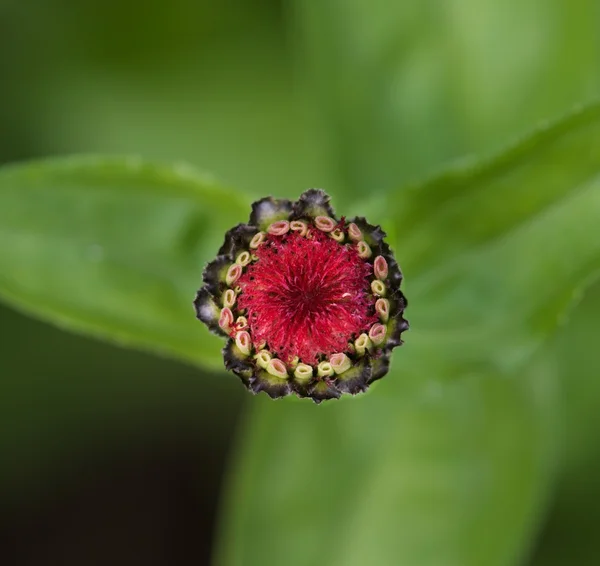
310	304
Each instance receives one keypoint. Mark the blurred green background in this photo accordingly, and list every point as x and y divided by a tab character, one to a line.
109	455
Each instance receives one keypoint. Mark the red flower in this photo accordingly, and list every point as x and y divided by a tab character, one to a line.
311	305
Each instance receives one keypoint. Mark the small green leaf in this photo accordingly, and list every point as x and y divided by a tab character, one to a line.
448	461
114	248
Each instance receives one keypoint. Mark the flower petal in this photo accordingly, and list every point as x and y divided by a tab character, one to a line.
312	203
268	210
208	311
301	385
373	235
380	366
237	362
323	390
395	327
356	379
237	239
272	385
398	302
215	273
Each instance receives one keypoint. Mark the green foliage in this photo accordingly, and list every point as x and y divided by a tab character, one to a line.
456	443
453	458
408	85
112	247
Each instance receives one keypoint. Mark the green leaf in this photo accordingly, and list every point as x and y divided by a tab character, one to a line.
569	536
491	198
453	476
114	248
407	85
502	249
449	459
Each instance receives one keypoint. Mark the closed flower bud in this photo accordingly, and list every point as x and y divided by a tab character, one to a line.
299	296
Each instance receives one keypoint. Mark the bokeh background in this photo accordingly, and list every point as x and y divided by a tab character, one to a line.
111	456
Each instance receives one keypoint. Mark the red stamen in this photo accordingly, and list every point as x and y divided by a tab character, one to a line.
306	297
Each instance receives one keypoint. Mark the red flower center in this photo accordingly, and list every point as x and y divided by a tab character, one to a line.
306	297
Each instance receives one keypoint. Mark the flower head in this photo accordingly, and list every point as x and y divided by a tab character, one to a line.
310	304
